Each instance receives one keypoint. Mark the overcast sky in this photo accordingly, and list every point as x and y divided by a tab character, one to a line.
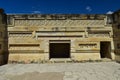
60	6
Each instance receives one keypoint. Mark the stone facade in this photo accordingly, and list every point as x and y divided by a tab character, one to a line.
3	38
36	37
43	37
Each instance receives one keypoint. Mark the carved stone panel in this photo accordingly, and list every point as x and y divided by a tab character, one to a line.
62	23
98	34
24	47
88	45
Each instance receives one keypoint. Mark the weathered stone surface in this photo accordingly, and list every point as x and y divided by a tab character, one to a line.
3	38
84	33
72	71
90	37
116	32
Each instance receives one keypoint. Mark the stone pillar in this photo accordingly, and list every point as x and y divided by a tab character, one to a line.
3	38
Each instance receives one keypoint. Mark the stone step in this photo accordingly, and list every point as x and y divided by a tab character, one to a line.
106	60
60	60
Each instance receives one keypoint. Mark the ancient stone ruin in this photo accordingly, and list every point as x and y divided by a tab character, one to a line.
42	37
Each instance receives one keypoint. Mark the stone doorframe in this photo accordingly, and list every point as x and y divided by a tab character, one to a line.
60	41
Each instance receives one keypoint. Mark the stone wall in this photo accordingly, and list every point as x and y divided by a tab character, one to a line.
116	31
3	38
30	36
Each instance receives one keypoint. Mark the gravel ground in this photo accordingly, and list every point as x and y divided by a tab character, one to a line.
61	71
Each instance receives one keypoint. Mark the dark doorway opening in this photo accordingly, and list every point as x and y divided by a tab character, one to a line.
105	50
59	50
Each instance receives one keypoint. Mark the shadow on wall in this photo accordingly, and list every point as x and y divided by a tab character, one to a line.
116	36
3	38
